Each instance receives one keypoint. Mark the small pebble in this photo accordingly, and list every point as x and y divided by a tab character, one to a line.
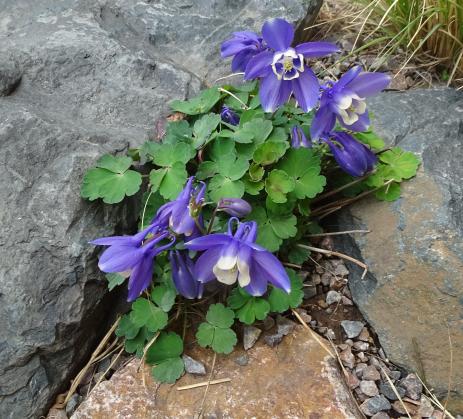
364	335
362	357
361	346
352	328
381	415
328	310
370	373
352	380
273	340
346	301
250	336
326	278
388	391
394	375
322	304
359	395
349	342
413	386
333	297
242	360
192	366
347	358
309	291
284	325
399	408
343	346
359	368
426	409
304	316
341	270
437	414
316	279
369	388
374	405
330	334
313	323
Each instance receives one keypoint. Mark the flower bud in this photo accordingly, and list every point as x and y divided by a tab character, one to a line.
236	207
182	275
229	116
298	138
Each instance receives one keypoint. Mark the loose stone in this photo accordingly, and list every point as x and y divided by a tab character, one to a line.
359	368
361	346
72	404
304	316
370	373
273	340
352	380
268	323
388	391
412	386
333	297
362	357
399	408
381	415
242	360
426	409
326	278
352	328
347	358
284	325
192	366
364	335
369	388
250	336
346	301
341	270
374	405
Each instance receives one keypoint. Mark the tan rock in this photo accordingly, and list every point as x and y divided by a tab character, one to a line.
297	379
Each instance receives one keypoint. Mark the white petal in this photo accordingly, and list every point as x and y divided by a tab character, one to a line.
227	277
343	102
360	106
244	278
226	262
349	117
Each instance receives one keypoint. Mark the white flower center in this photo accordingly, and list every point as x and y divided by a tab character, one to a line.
350	108
229	269
287	65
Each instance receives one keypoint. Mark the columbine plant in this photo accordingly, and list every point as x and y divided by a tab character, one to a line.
230	195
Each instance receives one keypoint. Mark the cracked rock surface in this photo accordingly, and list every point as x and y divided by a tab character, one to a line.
79	78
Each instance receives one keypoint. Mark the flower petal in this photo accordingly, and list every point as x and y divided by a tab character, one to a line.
258	284
115	240
316	49
278	34
268	266
119	258
228	256
368	84
348	76
244	265
306	89
324	121
241	59
274	92
203	270
141	276
205	242
259	65
360	125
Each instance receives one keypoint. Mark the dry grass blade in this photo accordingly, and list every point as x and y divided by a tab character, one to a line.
434	400
200	413
394	389
204	383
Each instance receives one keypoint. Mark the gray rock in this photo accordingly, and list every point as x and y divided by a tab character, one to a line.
250	336
371	373
242	360
415	286
83	78
72	404
284	325
268	322
192	366
333	297
413	386
341	270
309	291
380	415
388	391
273	339
374	405
352	328
369	388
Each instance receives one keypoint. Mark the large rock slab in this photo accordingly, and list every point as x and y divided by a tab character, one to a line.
412	295
297	379
79	78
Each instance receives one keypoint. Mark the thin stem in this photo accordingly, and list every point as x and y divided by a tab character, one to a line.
208	384
221	89
338	233
211	221
144	210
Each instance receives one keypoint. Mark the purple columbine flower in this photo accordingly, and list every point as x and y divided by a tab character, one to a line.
183	277
133	255
345	101
229	116
352	156
242	46
235	207
283	70
235	257
180	214
298	138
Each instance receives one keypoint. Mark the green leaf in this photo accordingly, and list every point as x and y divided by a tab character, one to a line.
231	102
177	131
298	255
169	371
223	187
371	139
203	129
200	104
256	172
127	328
111	180
389	192
402	164
168	345
114	279
280	301
164	297
248	308
220	316
304	167
278	184
251	187
169	180
144	313
137	344
220	340
252	134
165	155
270	152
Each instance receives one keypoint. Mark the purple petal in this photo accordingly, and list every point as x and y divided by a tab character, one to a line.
204	242
259	65
348	77
205	263
115	240
278	33
324	121
182	276
119	258
268	266
368	84
241	59
273	92
360	125
316	49
140	277
306	89
258	284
